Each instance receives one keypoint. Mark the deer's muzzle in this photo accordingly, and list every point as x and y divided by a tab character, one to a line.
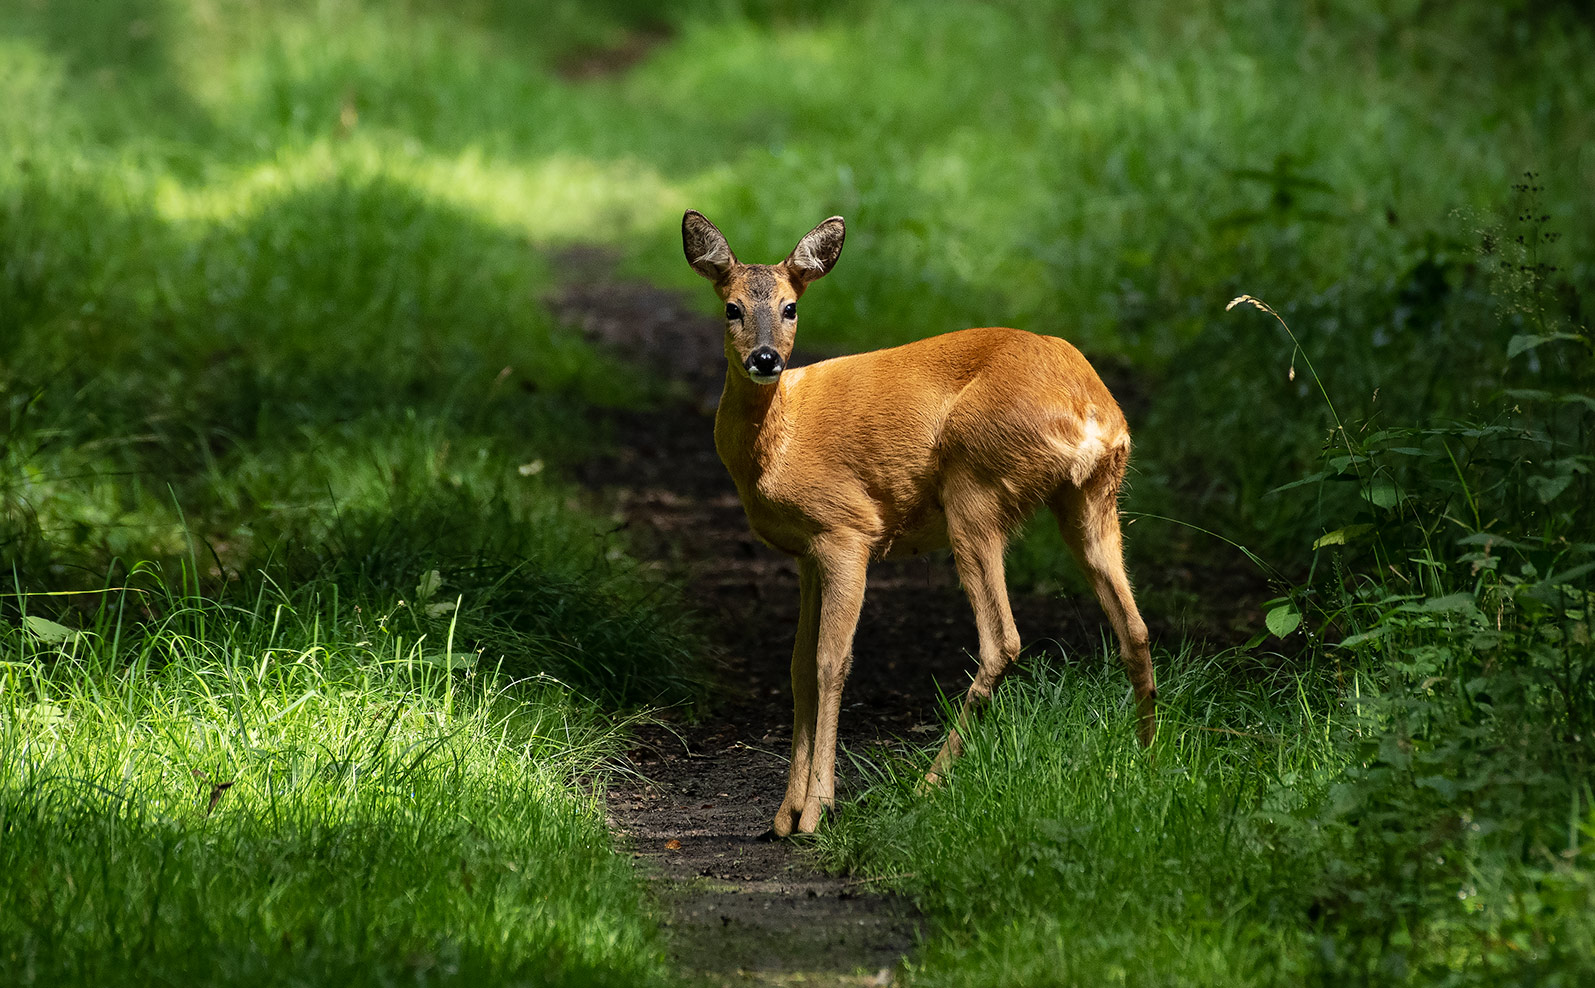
764	365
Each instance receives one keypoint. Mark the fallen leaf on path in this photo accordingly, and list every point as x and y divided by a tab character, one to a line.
672	845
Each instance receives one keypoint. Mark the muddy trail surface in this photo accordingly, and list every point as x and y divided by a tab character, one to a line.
744	909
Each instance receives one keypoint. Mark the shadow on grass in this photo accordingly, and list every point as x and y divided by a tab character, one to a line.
119	67
351	384
328	303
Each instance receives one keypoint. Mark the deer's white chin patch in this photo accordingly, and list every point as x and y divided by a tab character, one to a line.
758	378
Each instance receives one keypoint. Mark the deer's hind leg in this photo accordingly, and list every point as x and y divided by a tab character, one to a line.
977	532
1088	516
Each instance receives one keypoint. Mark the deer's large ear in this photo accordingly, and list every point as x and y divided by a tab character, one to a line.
816	254
705	247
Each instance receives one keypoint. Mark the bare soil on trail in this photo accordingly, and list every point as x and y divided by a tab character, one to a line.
742	908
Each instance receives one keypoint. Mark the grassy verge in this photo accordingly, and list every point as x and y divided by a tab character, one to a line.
1275	839
1061	854
310	657
296	791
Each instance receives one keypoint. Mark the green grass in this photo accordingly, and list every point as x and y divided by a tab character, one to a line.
270	325
1060	853
291	793
1244	850
308	379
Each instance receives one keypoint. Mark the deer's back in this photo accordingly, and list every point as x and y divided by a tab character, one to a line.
870	442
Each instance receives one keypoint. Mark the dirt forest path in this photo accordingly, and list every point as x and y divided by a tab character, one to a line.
744	909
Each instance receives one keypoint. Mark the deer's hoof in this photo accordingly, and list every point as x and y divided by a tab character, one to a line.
810	821
786	820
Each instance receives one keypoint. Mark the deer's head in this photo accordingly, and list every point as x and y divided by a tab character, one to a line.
760	299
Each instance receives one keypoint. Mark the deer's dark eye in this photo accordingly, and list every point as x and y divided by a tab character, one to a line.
733	311
790	311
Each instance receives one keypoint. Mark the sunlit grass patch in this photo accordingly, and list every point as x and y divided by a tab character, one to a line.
543	199
1246	848
368	509
288	792
1060	852
1292	824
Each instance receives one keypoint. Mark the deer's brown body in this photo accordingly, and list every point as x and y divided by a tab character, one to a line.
948	442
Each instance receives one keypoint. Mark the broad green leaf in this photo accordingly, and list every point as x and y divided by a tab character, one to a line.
1312	479
430	581
455	660
1570	575
1485	640
1570	464
1554	596
1452	603
1283	619
1550	488
1340	536
1490	541
1352	641
1383	434
1523	342
1382	494
1440	784
48	631
43	714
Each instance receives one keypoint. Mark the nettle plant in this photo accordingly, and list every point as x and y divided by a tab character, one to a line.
1452	585
1471	528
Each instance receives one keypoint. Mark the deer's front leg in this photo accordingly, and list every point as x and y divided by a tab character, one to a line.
841	569
805	690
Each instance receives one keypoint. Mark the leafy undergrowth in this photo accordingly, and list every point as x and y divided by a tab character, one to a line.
1280	834
291	791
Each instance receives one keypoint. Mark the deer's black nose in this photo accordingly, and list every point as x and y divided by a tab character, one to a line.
764	362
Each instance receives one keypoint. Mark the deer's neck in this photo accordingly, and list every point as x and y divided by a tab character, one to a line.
749	425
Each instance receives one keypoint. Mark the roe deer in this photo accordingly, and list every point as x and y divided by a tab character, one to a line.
950	441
